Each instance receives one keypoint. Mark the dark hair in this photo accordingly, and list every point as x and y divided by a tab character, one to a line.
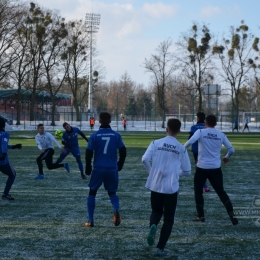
104	118
2	123
39	125
174	125
211	120
201	116
64	124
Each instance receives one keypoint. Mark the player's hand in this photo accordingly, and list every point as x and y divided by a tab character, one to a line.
17	146
119	166
63	150
225	160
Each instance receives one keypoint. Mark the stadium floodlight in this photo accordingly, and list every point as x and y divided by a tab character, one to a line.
92	23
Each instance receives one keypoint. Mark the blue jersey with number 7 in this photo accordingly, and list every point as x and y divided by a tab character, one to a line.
105	144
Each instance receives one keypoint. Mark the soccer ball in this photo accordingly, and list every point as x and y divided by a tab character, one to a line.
59	133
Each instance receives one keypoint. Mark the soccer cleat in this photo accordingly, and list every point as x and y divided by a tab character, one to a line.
233	218
67	167
39	176
117	218
159	252
89	224
7	197
199	219
206	189
151	235
83	176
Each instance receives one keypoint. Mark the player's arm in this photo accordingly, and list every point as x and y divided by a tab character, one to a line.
185	164
193	139
15	146
38	143
122	156
147	157
4	147
88	160
230	150
82	135
53	139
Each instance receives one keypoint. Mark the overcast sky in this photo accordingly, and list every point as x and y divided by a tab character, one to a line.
130	31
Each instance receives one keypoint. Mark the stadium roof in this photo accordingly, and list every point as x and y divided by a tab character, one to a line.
41	96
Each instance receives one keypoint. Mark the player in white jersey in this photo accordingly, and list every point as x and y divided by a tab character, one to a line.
165	160
44	141
209	166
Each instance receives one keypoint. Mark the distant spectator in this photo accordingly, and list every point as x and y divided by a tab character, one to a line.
235	125
124	123
246	121
92	122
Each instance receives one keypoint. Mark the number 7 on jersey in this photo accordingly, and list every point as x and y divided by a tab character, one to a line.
107	139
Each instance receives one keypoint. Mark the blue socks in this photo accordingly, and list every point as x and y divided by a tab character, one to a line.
115	201
91	203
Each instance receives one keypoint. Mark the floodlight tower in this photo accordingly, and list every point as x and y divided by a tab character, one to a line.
92	22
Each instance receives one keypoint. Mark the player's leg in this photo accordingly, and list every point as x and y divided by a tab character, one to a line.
169	204
111	185
8	170
49	160
91	204
200	178
156	201
63	155
39	160
95	182
76	153
81	168
216	179
205	187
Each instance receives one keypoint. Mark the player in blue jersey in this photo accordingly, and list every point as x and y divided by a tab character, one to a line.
104	144
194	148
5	167
71	145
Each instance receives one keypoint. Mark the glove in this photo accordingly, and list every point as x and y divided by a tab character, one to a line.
2	158
119	166
88	169
17	146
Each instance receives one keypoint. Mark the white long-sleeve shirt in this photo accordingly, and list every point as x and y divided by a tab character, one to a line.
210	144
46	140
165	160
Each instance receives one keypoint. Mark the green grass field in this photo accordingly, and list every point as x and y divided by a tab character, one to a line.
46	220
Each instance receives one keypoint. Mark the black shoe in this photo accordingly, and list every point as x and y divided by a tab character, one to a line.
83	176
198	219
7	197
233	218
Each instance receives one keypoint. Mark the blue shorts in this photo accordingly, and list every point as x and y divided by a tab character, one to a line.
75	151
108	178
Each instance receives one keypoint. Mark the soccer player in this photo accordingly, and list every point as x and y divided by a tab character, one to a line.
209	166
44	141
194	148
104	144
246	121
5	167
71	145
170	160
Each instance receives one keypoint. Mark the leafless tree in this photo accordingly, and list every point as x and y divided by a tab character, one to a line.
161	68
